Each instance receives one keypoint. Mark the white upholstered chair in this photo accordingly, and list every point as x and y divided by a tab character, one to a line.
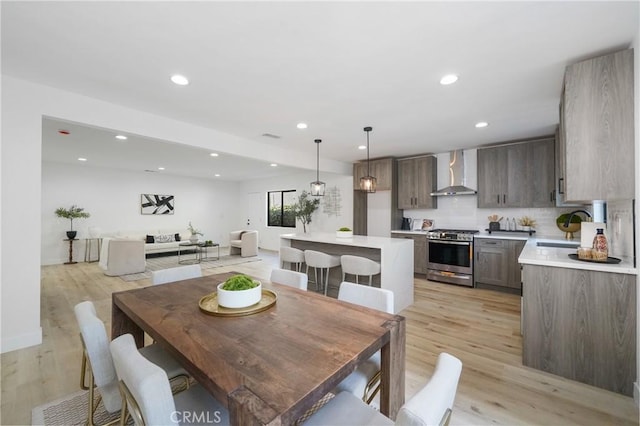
147	392
121	256
364	382
431	406
97	357
178	273
292	256
244	243
290	278
322	261
358	266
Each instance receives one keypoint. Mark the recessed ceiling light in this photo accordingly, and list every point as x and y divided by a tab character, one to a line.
214	154
180	80
121	137
217	175
448	79
273	165
160	168
301	125
481	124
82	159
362	147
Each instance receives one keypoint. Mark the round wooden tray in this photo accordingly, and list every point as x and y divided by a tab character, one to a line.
609	259
209	305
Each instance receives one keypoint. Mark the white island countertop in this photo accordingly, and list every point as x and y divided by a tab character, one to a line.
532	254
356	240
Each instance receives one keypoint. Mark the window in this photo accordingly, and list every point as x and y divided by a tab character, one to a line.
280	208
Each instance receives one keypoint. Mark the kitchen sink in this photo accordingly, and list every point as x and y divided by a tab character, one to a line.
561	244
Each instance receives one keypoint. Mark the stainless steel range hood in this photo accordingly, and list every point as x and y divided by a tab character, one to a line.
456	177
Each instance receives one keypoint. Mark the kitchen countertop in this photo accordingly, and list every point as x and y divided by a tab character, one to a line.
356	240
532	254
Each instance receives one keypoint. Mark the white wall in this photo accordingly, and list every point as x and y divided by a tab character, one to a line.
112	197
321	221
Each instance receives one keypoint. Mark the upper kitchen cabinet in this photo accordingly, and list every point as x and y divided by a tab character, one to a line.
416	181
381	169
517	175
596	130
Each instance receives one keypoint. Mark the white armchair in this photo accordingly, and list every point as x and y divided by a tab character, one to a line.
244	243
122	256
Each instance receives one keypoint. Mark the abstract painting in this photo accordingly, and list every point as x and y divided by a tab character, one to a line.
156	204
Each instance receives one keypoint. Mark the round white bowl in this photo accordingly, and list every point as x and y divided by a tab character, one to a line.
344	234
239	298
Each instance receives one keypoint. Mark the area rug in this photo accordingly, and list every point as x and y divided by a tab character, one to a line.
164	262
72	410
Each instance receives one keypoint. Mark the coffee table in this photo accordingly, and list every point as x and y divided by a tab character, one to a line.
204	255
187	245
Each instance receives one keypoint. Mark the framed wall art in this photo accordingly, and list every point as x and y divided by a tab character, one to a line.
156	204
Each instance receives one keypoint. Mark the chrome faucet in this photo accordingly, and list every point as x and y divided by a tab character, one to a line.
573	213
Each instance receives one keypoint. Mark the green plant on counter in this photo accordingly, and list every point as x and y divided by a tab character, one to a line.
239	282
304	208
344	229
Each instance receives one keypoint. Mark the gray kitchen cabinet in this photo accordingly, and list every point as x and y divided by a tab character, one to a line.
580	325
517	175
381	169
420	251
496	264
417	179
597	130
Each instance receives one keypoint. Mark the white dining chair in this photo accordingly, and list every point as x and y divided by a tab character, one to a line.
178	273
290	278
358	266
97	361
364	382
147	392
431	406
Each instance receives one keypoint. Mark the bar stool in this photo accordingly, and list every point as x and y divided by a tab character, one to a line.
322	261
293	256
357	265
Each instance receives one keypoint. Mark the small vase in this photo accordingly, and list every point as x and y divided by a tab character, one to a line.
193	238
600	248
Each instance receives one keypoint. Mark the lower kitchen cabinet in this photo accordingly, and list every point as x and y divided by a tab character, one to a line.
496	264
420	253
580	325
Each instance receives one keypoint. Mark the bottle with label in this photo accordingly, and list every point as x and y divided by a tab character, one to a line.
600	248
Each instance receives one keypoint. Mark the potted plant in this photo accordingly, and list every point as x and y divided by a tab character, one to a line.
239	291
73	212
194	233
344	232
304	208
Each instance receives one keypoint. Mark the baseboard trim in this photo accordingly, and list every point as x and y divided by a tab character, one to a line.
636	394
13	343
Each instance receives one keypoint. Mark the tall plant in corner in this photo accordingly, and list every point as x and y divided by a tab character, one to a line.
304	208
73	212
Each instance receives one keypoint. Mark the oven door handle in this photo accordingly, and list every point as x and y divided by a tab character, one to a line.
457	243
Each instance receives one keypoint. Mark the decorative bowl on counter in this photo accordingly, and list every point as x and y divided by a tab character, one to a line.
574	226
344	232
240	297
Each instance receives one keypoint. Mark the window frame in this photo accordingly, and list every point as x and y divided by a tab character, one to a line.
282	212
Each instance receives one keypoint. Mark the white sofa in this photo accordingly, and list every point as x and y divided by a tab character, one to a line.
156	247
244	243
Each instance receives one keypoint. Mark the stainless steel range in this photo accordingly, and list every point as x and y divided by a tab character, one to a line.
450	258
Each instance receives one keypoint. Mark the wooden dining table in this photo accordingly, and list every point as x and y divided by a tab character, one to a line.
270	367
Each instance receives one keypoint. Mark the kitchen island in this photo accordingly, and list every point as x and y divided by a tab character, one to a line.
394	255
579	318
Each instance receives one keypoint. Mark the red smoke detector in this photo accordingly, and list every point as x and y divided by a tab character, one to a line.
63	132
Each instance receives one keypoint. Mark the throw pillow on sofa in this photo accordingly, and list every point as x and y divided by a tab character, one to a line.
162	238
149	239
177	237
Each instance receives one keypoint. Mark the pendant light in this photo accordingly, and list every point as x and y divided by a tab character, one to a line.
368	183
317	187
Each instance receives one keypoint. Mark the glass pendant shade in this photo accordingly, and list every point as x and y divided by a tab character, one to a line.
317	187
368	183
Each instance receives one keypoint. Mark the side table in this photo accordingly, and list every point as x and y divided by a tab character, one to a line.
196	247
205	256
70	262
88	242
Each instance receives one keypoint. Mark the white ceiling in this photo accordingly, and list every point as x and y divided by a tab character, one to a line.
262	67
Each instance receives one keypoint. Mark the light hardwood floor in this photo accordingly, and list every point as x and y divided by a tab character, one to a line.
480	327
